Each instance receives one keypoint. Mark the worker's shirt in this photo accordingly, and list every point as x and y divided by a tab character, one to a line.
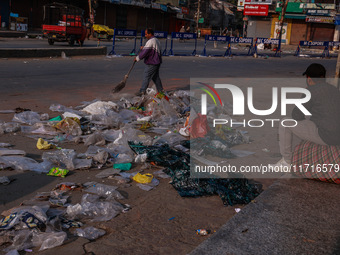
151	53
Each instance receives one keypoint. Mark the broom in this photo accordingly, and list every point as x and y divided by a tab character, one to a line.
122	84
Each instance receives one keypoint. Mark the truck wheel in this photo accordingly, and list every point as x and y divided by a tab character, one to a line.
71	40
50	41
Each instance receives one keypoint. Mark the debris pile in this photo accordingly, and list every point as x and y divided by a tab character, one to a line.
123	138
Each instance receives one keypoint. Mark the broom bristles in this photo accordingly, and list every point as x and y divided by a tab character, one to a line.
119	87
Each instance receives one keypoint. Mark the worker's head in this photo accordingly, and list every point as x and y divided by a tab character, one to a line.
314	72
149	33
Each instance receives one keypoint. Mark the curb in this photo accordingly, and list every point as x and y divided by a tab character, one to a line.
41	52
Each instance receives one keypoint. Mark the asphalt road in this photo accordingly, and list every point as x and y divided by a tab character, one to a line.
72	80
124	46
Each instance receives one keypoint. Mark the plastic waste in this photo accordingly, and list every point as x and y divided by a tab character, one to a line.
128	115
22	240
63	158
169	138
59	172
90	233
107	172
44	145
122	158
27	117
92	207
101	157
100	107
103	190
161	174
71	115
143	178
13	252
96	139
82	163
141	158
4	180
49	240
69	126
149	186
21	163
9	127
58	118
9	152
44	117
123	166
5	145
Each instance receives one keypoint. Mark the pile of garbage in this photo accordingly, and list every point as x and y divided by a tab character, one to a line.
48	220
156	130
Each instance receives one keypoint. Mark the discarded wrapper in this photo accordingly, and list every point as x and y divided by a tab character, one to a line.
59	172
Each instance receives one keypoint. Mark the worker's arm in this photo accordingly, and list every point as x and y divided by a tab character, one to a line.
146	50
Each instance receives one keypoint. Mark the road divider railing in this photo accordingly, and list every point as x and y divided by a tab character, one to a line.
214	38
270	41
182	36
325	44
124	33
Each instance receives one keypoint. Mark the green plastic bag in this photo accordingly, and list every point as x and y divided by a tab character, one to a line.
123	166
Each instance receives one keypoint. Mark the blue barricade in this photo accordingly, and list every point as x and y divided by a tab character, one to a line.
124	33
239	40
268	41
216	38
325	44
185	36
157	34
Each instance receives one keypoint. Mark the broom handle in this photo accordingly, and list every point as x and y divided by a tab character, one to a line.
133	64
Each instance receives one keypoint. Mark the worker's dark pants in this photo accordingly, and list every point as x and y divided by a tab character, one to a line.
152	72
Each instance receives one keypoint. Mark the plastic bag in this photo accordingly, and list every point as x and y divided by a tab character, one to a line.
199	127
143	178
122	158
62	108
44	145
111	135
22	240
123	166
100	107
90	233
104	191
128	115
49	240
4	180
93	208
149	186
111	119
96	139
169	138
141	158
101	157
69	126
27	117
18	163
82	163
63	158
9	127
107	172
